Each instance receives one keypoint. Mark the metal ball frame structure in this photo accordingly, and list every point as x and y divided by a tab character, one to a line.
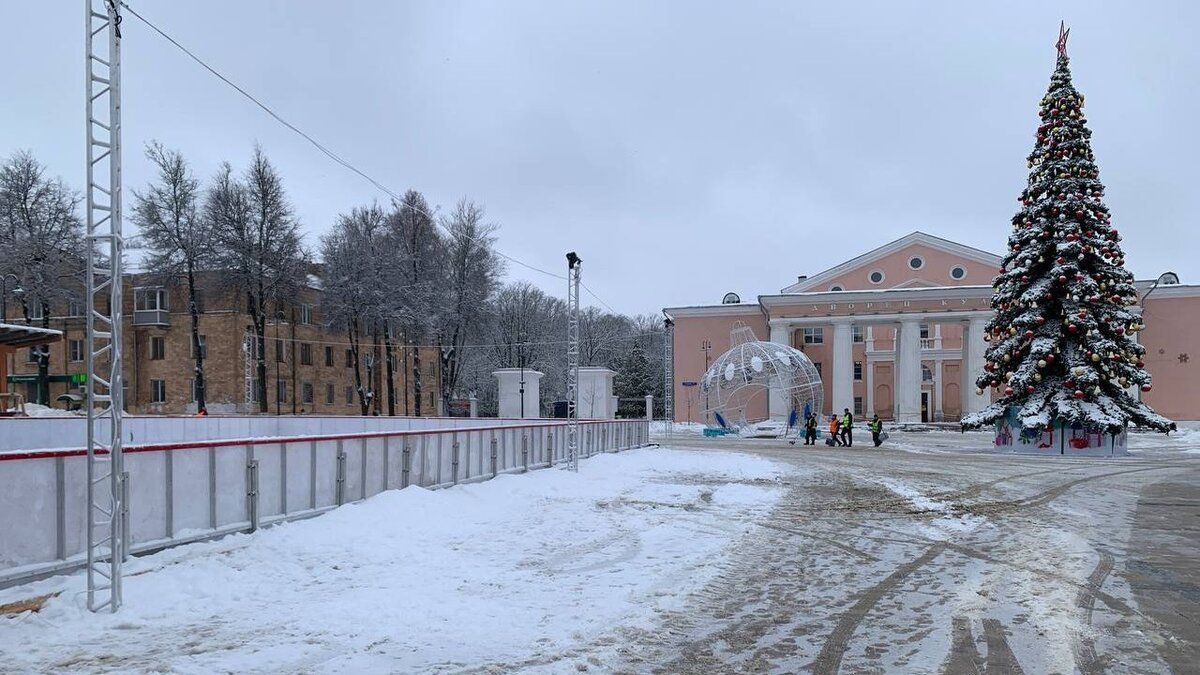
750	369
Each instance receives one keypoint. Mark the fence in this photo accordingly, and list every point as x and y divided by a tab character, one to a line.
23	433
195	490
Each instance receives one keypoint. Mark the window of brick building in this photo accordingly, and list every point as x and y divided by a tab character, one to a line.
306	355
75	308
158	391
858	406
306	314
349	395
32	356
203	347
817	365
856	333
329	395
858	370
158	348
75	350
306	390
280	352
814	336
329	356
281	391
349	358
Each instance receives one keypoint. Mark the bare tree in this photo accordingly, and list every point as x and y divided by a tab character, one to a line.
178	238
354	289
473	270
41	244
259	247
417	279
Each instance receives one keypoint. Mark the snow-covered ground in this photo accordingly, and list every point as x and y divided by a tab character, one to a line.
720	555
412	580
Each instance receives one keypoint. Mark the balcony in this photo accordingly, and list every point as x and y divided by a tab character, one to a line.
151	317
929	343
150	307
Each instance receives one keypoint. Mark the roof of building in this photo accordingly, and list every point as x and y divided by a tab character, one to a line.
917	237
12	335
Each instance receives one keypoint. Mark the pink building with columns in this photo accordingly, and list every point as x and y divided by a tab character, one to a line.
898	331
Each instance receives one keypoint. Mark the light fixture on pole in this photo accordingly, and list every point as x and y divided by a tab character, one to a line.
574	265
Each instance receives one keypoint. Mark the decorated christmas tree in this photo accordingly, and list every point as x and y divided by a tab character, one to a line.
1062	345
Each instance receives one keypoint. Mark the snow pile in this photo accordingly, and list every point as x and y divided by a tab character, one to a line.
659	428
39	410
413	580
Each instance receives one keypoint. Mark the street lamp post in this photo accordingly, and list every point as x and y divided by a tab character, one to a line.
521	362
706	347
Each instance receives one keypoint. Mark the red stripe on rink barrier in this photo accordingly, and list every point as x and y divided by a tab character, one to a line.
281	440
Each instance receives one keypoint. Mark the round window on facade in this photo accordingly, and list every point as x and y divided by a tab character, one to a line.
835	288
958	272
876	277
916	262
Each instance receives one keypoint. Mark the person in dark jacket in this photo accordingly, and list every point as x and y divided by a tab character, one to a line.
876	427
847	424
810	430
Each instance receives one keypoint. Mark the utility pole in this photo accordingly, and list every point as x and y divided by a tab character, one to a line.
574	271
706	347
107	481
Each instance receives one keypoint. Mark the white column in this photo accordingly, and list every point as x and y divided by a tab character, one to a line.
843	366
870	378
972	365
937	384
908	371
650	408
777	402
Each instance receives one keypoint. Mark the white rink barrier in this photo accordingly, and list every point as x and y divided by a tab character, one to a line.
39	433
194	490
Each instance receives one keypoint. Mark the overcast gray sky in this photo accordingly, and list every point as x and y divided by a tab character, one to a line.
684	149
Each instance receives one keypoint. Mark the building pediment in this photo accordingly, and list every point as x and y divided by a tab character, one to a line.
913	261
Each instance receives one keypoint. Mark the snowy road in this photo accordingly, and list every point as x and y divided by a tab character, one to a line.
721	556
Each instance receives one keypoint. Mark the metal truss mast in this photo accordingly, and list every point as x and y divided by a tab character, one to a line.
107	487
574	269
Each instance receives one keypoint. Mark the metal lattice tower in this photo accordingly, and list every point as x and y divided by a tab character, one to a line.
669	375
248	351
107	480
574	270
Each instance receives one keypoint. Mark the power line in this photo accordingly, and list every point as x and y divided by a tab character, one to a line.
324	150
593	294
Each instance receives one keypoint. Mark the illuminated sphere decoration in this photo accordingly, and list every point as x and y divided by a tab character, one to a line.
734	383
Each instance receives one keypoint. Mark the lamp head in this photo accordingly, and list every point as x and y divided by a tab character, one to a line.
573	260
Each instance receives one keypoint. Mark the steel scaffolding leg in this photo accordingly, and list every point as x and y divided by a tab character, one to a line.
106	487
574	265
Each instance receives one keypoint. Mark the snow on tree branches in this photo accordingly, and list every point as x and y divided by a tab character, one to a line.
1062	344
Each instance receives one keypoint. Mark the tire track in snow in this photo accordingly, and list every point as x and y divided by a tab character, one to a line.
829	660
1086	659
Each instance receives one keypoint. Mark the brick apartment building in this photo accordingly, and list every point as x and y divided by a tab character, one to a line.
309	367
